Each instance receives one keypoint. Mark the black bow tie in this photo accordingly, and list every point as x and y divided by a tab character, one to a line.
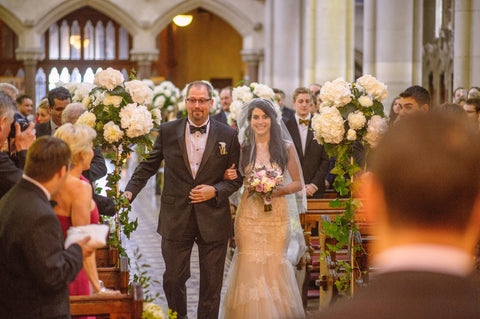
201	129
53	203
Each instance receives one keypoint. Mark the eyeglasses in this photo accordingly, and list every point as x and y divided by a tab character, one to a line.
195	101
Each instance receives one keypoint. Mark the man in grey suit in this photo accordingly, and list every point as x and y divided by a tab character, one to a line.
423	196
35	269
194	202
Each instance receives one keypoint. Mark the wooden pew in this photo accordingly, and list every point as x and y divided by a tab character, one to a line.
106	256
115	277
124	306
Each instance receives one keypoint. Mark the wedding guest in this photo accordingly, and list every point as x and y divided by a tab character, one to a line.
98	168
472	108
25	106
287	113
75	206
9	89
315	88
43	111
414	99
11	167
458	94
424	243
225	101
473	92
394	111
195	208
58	99
312	156
35	268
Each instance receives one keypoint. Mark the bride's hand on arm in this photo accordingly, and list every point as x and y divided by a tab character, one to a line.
230	173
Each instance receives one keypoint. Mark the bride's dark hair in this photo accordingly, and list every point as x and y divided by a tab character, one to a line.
276	145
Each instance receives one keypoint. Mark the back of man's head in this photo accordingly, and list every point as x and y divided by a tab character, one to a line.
60	94
45	157
428	168
418	93
7	105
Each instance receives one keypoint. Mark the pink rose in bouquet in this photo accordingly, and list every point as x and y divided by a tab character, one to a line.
263	182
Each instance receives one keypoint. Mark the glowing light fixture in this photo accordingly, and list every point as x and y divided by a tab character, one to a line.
182	20
75	42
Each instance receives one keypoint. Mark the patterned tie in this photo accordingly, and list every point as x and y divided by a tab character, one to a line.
306	122
201	129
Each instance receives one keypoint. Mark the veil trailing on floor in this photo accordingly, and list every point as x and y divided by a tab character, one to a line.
281	144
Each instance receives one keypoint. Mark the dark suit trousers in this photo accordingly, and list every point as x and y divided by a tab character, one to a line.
176	254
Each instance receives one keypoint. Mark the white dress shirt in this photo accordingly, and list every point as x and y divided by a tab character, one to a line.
195	146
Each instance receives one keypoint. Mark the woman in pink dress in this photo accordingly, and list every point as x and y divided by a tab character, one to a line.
75	206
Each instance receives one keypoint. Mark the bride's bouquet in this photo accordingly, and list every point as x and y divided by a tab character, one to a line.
263	182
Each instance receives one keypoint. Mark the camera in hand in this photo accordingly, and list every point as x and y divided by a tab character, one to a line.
17	118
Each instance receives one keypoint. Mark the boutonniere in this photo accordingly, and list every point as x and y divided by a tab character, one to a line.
223	148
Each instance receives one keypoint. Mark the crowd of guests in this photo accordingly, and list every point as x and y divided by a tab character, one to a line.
61	165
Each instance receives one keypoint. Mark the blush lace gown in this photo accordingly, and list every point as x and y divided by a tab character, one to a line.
261	281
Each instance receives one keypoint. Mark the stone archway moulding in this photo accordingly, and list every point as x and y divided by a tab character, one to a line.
232	15
106	7
12	20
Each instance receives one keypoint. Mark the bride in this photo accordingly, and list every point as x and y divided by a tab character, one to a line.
261	281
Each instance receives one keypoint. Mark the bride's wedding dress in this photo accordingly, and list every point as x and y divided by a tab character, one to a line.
261	281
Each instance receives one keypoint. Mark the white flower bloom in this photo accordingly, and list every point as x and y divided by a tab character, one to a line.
336	93
242	93
328	126
137	120
114	100
157	116
351	135
374	88
86	102
87	118
376	127
98	97
235	108
71	87
111	132
356	120
149	83
181	105
81	91
261	90
159	101
109	78
365	101
139	91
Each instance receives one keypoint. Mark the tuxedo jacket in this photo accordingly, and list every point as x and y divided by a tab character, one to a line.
315	162
221	117
35	269
10	173
411	294
213	216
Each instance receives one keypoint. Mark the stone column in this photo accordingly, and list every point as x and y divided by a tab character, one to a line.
30	58
461	45
144	62
394	43
309	36
252	57
475	44
283	47
335	43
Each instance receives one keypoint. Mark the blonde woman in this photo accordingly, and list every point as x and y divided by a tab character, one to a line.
75	206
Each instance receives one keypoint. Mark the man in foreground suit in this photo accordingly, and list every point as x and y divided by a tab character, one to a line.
194	202
423	195
312	156
35	269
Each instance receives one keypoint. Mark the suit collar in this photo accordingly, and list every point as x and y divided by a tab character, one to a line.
181	142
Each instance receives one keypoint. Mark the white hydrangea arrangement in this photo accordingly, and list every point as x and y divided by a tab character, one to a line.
77	90
166	96
351	112
243	94
120	111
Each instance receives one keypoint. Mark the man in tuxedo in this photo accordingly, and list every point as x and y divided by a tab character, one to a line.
58	99
35	269
287	113
312	156
423	195
11	170
225	101
194	202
